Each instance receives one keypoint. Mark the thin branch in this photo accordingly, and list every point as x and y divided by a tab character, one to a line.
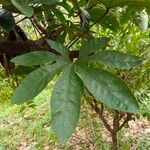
116	121
128	117
36	34
14	48
36	28
42	37
21	20
39	25
99	111
121	115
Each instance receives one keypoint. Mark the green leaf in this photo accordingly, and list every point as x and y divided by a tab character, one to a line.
120	3
109	21
59	48
35	58
7	5
59	16
141	20
62	37
75	4
5	2
126	15
92	3
67	7
93	45
34	83
48	2
96	13
65	104
23	7
116	59
24	70
7	21
108	88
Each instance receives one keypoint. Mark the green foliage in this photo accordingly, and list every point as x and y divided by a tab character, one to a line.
27	90
138	3
34	58
7	87
142	143
102	84
116	59
34	128
91	30
23	7
108	88
65	104
23	70
59	48
110	21
48	2
6	20
93	45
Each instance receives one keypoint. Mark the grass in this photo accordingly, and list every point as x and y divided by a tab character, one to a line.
26	128
30	127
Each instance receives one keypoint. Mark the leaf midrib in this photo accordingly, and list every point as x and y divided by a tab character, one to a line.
65	103
33	89
105	88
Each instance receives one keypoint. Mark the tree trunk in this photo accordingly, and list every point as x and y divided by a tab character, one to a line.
114	140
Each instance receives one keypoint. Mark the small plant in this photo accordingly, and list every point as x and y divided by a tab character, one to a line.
77	77
68	47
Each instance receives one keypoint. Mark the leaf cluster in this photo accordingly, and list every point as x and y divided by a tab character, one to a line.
79	21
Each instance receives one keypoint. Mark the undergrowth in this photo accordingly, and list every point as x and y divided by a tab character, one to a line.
28	127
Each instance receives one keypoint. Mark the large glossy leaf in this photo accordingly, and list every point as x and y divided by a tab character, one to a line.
65	104
116	59
34	83
115	3
34	58
7	21
141	20
108	88
24	70
93	45
59	48
23	7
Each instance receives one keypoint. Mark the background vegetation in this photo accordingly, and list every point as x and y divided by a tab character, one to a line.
28	126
